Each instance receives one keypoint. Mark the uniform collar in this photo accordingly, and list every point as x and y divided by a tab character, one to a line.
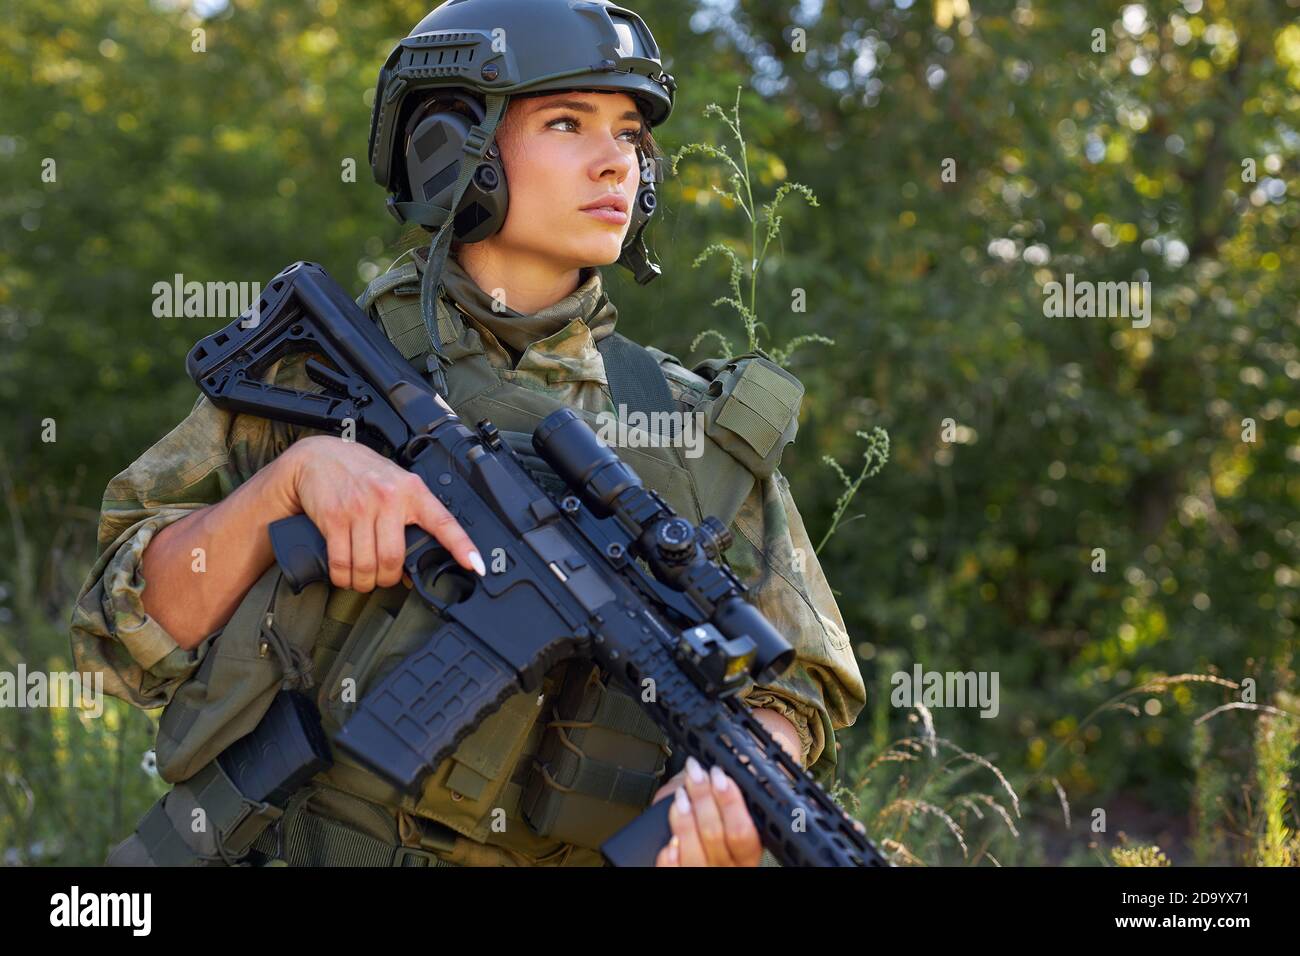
560	338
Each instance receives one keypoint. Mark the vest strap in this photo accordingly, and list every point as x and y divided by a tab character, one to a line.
637	383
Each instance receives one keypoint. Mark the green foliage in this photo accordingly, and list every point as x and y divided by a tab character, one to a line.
741	194
71	780
1139	856
874	457
1276	738
1210	796
912	796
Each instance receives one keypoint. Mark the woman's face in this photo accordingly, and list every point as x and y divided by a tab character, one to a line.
562	152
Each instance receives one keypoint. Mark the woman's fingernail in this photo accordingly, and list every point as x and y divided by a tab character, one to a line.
695	770
720	781
683	800
476	560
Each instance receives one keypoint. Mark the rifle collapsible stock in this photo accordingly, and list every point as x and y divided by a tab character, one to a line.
681	638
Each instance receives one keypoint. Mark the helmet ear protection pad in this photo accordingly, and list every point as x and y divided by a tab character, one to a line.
435	137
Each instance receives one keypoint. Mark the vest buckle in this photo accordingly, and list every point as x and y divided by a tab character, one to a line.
401	854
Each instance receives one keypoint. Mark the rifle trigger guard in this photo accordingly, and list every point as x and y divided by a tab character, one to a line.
424	578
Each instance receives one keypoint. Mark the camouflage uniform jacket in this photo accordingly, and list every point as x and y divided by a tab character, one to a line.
212	452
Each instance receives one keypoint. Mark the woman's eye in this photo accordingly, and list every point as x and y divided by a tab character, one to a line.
634	135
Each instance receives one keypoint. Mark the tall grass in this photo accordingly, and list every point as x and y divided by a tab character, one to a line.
71	785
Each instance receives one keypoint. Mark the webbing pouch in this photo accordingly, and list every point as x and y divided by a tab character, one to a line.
751	409
464	789
214	817
204	821
600	761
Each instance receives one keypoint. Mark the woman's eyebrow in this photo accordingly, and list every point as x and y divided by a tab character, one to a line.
581	106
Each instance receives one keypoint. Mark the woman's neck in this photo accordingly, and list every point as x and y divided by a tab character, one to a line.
523	284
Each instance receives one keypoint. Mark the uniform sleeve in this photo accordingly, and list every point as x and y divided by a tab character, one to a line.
774	557
823	691
199	462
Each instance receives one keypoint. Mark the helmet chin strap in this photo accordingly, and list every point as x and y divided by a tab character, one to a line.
476	145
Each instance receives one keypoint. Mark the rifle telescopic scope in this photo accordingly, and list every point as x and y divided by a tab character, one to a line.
570	447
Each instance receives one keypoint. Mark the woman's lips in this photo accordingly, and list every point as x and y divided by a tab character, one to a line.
608	214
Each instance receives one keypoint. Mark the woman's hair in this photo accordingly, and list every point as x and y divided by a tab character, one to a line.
416	236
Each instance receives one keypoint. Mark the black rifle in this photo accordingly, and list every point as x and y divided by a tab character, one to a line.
572	585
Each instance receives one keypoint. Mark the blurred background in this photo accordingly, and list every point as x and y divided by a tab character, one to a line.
963	153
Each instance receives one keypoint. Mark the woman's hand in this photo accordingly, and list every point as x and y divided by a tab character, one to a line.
362	503
711	824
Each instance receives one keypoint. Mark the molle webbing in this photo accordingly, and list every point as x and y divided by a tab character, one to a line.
303	838
600	762
606	781
403	323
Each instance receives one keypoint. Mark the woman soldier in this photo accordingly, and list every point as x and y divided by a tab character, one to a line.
531	119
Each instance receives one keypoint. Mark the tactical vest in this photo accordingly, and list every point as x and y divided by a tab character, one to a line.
548	777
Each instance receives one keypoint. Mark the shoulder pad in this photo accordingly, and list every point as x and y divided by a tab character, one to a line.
676	372
393	300
752	408
391	281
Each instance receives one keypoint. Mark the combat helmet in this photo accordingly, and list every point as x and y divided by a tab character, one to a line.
444	88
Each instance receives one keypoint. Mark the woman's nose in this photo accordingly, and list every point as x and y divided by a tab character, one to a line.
614	158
